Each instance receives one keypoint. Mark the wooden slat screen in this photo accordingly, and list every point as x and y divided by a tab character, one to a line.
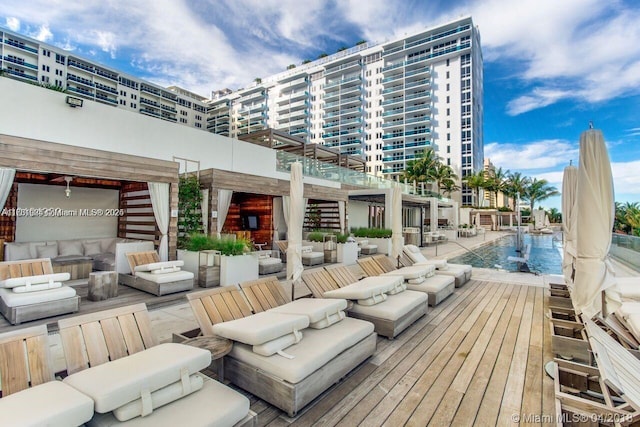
138	221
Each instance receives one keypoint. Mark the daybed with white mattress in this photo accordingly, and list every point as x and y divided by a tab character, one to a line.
151	275
134	382
30	290
461	272
285	358
383	300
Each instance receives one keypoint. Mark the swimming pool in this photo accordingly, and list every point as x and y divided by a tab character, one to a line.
545	256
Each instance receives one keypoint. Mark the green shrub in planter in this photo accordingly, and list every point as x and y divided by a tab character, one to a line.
202	242
373	233
316	236
342	238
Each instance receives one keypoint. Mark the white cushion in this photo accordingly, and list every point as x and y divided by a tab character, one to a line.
331	319
14	299
160	397
36	288
272	347
628	308
412	249
212	406
108	245
365	288
372	300
412	272
465	268
52	404
34	280
399	288
269	261
174	276
633	320
453	272
47	251
319	347
394	307
629	287
433	284
261	327
316	309
70	247
17	251
121	381
91	248
159	265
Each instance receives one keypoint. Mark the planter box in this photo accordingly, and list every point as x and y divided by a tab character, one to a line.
317	246
237	269
191	262
348	253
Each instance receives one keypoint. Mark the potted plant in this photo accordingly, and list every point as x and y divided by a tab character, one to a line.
376	236
347	249
315	239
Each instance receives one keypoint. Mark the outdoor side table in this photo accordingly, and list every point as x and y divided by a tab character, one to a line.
103	285
218	346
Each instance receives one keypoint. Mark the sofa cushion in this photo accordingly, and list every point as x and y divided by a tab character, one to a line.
33	280
121	381
52	404
319	347
91	248
261	327
317	309
17	251
47	251
365	288
224	407
14	299
70	247
66	258
159	398
108	244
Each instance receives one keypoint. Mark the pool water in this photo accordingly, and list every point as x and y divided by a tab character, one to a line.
545	256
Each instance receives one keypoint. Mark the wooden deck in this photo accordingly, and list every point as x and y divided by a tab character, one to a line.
476	359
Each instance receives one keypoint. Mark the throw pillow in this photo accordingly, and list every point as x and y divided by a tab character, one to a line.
91	248
70	247
47	251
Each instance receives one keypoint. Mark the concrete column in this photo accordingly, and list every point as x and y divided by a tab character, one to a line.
433	213
387	207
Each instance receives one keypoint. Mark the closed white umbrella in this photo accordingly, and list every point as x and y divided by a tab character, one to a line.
294	234
569	221
396	222
594	224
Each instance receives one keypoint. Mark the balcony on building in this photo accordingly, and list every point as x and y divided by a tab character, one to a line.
19	62
20	44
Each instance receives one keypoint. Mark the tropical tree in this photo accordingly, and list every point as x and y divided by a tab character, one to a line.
449	186
620	219
421	169
539	190
442	174
475	182
515	184
633	219
554	215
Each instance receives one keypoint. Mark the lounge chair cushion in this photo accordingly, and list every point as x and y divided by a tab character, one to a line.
328	321
400	287
36	288
317	309
113	384
164	265
261	327
433	284
214	405
53	404
366	288
274	346
14	299
160	397
34	280
394	307
630	312
629	287
412	272
319	347
415	255
175	276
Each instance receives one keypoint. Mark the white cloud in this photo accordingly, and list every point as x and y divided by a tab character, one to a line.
13	24
43	34
626	178
543	154
106	41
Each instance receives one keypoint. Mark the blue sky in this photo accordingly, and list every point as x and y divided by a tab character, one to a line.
550	66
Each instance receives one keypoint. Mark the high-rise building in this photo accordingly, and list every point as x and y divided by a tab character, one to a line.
35	62
386	102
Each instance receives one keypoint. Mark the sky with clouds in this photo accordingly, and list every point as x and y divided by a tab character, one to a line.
551	66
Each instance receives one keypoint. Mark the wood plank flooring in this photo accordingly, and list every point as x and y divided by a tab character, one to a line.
476	359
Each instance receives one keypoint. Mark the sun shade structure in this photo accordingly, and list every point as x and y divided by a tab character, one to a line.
569	220
296	218
595	202
396	222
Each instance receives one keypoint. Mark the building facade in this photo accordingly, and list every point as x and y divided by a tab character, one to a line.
386	102
35	62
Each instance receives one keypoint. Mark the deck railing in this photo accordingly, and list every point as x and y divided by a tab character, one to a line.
626	248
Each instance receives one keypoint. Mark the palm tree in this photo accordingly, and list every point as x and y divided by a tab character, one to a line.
514	185
633	219
442	173
475	182
554	215
539	190
500	179
421	168
449	186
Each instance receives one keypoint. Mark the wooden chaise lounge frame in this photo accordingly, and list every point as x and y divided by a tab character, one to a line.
20	369
228	303
148	257
25	313
321	280
616	376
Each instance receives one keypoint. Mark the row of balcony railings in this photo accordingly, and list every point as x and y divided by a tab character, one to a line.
425	56
318	169
626	248
427	39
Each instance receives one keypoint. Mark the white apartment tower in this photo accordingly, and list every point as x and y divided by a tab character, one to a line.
385	102
35	62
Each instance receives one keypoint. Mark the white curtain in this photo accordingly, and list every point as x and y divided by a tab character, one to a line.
342	214
224	201
6	181
279	225
204	210
286	203
159	193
